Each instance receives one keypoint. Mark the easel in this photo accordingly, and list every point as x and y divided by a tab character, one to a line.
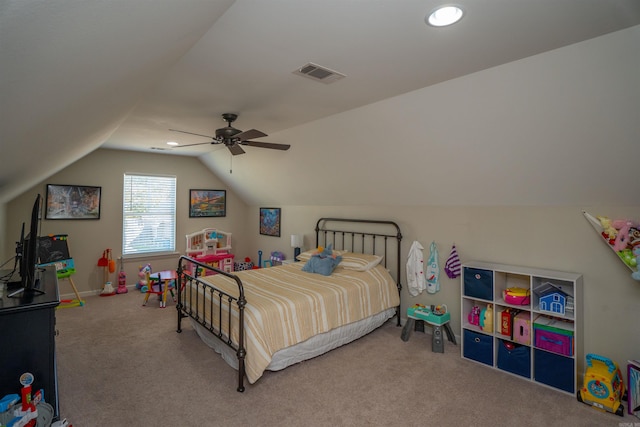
54	250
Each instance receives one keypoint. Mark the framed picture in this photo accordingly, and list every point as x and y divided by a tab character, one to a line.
207	203
270	221
72	202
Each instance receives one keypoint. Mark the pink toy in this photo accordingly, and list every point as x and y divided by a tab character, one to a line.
516	296
522	328
122	280
474	316
622	239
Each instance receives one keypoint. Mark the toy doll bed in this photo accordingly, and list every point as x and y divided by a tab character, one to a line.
271	318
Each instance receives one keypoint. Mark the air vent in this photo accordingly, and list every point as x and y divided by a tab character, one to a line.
318	73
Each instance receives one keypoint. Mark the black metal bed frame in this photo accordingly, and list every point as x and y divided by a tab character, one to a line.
363	241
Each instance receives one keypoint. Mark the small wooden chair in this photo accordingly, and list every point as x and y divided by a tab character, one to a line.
159	284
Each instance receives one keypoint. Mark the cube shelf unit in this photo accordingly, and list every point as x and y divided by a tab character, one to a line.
545	343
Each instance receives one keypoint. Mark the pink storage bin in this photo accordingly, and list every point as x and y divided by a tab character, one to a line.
551	341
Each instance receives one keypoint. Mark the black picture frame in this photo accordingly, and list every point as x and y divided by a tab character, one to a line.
270	221
72	202
207	203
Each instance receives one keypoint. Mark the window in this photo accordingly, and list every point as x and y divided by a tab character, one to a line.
149	214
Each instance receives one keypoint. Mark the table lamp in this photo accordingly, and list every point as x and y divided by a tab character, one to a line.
296	243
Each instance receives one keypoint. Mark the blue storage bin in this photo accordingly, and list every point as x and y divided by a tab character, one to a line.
478	347
478	283
554	370
516	361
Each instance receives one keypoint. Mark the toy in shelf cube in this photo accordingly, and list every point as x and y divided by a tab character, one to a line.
554	300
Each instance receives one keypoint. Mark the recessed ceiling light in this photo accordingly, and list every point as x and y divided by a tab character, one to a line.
173	143
444	15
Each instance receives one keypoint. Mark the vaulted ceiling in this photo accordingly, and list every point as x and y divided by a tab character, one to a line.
437	111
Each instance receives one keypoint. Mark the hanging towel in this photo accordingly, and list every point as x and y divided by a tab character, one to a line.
415	270
452	265
433	270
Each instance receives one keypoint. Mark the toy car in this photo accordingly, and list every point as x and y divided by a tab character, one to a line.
603	385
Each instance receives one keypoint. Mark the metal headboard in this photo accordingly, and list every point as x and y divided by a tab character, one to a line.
364	236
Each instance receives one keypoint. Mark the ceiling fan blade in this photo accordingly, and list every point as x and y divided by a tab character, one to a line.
249	134
266	145
199	143
235	149
191	133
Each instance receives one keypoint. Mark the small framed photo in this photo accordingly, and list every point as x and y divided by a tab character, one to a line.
207	203
270	221
72	202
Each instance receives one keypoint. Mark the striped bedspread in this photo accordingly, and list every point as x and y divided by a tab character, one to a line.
286	306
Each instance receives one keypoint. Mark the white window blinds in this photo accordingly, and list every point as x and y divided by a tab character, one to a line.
149	214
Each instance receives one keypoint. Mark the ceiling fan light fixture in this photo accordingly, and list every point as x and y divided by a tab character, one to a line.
444	15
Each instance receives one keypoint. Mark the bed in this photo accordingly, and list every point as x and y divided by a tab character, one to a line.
271	318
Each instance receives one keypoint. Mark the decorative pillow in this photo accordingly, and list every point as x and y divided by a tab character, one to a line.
323	262
359	262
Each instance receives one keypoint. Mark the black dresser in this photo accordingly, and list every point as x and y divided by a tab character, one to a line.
27	340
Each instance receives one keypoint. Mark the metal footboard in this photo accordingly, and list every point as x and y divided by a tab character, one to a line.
195	292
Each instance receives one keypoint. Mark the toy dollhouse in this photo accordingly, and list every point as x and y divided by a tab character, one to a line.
212	247
554	300
208	241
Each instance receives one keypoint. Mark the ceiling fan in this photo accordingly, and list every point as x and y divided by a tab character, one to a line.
233	138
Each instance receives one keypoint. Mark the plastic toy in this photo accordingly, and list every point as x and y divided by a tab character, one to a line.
142	275
603	385
474	316
486	319
277	257
122	280
108	266
517	296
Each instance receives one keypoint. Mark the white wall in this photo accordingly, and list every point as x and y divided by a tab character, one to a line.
557	238
89	238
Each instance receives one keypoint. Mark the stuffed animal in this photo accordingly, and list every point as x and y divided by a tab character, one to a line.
636	252
142	277
622	239
608	231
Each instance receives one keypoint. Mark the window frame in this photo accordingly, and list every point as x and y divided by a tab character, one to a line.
151	214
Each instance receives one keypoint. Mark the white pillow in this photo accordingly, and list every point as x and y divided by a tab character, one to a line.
359	262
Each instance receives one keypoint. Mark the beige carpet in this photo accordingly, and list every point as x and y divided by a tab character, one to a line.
121	364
